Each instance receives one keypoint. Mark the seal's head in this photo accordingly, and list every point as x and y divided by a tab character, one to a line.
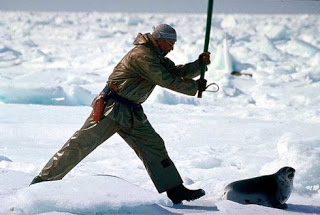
285	177
286	173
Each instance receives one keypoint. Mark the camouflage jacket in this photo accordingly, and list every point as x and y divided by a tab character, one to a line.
144	67
137	74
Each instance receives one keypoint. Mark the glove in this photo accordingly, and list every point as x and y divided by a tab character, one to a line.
204	58
202	84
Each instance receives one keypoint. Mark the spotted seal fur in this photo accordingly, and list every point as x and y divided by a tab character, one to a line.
268	190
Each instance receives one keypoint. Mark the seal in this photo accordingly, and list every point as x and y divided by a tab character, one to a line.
268	190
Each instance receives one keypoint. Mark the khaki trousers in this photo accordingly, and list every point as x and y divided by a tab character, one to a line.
142	138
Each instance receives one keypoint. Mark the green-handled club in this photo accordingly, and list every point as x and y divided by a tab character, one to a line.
206	41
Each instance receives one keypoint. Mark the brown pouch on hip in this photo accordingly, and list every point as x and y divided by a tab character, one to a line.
98	105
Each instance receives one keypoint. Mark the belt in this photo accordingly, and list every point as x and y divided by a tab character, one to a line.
108	93
122	100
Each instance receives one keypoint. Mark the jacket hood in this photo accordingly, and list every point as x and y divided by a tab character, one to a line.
148	40
141	39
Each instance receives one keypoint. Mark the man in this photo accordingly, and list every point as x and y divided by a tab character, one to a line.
118	110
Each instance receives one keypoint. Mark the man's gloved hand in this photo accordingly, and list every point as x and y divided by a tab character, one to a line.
202	84
204	58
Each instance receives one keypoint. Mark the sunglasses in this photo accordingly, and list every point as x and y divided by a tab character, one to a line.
170	43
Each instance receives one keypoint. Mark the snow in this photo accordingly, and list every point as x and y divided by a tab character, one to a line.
53	64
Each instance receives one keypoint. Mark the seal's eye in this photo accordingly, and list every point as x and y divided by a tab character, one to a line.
291	175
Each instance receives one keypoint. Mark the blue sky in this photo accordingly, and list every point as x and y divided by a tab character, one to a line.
161	6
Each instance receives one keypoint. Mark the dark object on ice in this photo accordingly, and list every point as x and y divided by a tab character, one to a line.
37	179
3	158
236	73
180	193
269	190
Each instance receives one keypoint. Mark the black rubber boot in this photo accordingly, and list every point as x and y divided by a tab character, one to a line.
37	179
180	193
